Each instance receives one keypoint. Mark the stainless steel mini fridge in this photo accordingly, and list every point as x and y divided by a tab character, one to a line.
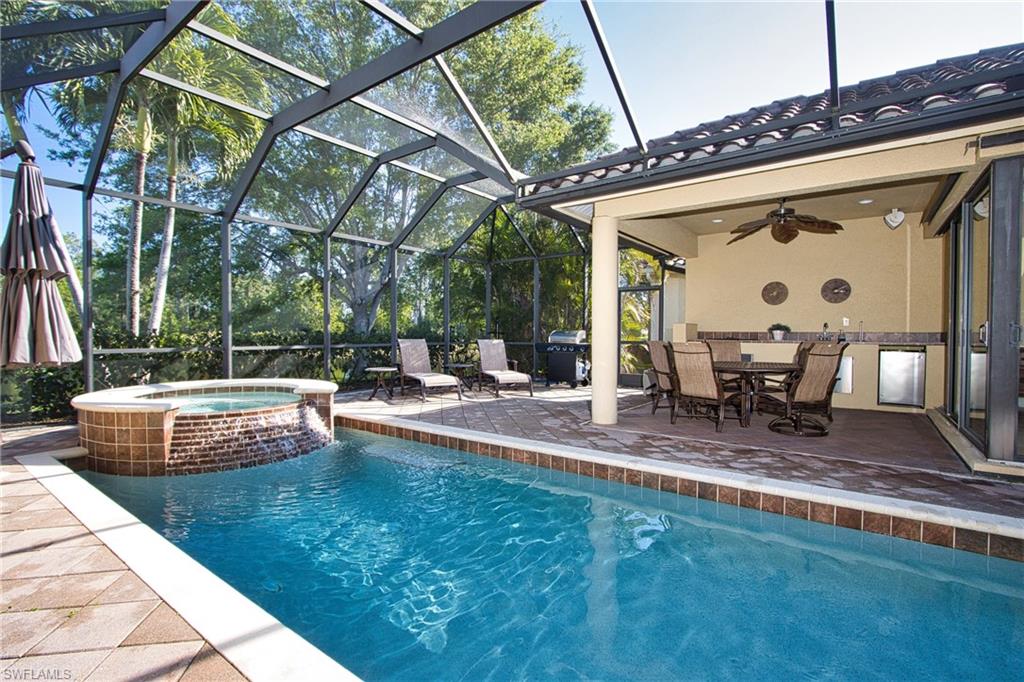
901	375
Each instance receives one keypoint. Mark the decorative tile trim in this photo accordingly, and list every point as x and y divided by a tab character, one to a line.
163	443
916	338
844	515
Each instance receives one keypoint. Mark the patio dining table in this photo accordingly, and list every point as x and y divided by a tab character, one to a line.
748	372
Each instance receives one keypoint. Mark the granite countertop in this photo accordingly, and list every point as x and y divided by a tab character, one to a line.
856	338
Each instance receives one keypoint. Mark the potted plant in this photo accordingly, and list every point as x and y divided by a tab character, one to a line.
779	331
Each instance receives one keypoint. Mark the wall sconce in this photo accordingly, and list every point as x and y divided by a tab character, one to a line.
894	218
981	208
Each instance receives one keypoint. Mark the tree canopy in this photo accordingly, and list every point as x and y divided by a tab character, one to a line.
522	77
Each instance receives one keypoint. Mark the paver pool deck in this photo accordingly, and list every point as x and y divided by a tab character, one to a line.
896	455
69	607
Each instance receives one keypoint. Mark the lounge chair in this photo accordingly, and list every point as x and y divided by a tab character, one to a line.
415	364
810	392
664	387
497	369
697	385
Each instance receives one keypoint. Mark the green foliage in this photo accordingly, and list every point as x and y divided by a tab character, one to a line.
38	393
524	80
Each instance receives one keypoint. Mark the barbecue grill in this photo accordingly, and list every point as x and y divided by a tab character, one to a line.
566	351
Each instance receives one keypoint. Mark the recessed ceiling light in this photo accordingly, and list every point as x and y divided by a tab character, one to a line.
865	202
717	220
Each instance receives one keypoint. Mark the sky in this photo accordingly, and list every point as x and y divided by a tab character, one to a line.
683	63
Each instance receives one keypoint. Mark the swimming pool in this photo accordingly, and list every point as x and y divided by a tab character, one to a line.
407	561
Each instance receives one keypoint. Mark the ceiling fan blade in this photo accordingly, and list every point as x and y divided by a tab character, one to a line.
810	223
752	225
743	235
784	233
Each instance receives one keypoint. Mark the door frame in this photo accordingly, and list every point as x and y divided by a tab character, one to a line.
1005	198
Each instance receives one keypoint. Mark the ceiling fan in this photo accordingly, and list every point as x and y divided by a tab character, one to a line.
786	224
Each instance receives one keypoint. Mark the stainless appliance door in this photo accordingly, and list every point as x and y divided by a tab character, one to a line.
901	377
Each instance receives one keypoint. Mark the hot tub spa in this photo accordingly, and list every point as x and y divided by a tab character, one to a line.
189	427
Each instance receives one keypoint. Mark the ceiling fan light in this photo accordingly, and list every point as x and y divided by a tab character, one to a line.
865	201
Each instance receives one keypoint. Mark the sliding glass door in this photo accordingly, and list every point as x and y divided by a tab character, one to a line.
984	369
976	315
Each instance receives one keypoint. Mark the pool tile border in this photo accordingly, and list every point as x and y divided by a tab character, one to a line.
251	639
981	533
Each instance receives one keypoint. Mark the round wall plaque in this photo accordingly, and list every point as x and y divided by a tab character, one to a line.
774	293
836	290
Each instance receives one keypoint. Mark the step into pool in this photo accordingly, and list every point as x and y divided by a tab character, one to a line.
405	561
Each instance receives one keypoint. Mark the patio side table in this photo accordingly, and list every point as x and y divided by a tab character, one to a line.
385	379
464	372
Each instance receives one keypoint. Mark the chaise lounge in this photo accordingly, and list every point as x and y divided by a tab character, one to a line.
496	369
414	363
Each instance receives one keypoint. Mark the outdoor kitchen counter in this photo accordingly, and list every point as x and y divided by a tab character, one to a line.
865	371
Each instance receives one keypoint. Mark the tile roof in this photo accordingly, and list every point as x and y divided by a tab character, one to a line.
911	91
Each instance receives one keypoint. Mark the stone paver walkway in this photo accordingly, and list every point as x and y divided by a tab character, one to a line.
918	468
69	608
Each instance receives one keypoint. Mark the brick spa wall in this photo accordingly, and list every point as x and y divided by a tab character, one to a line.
909	529
168	443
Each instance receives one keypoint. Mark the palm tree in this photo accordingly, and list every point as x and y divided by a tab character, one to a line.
187	120
157	117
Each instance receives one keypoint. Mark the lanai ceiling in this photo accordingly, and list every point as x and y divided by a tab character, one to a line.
910	197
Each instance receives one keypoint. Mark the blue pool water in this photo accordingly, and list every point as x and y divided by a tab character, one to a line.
410	562
228	402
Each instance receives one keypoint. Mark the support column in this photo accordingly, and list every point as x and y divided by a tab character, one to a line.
393	287
604	323
226	342
87	323
327	306
446	300
487	301
536	312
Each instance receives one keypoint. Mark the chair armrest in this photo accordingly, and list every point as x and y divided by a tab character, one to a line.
513	365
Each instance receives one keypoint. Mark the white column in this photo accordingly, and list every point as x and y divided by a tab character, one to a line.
604	319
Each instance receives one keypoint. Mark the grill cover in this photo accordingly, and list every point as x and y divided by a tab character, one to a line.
575	336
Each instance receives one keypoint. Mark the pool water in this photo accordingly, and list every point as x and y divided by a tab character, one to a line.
239	400
405	561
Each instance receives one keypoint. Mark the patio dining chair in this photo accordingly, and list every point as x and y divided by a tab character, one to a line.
727	350
664	386
497	370
698	386
810	392
414	363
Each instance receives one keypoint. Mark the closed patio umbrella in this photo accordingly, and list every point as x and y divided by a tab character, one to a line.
34	325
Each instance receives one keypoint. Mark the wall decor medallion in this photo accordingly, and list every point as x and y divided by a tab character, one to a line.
774	293
836	290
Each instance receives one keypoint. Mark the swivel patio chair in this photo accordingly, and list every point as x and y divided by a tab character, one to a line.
698	387
664	387
415	364
773	391
810	393
497	370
